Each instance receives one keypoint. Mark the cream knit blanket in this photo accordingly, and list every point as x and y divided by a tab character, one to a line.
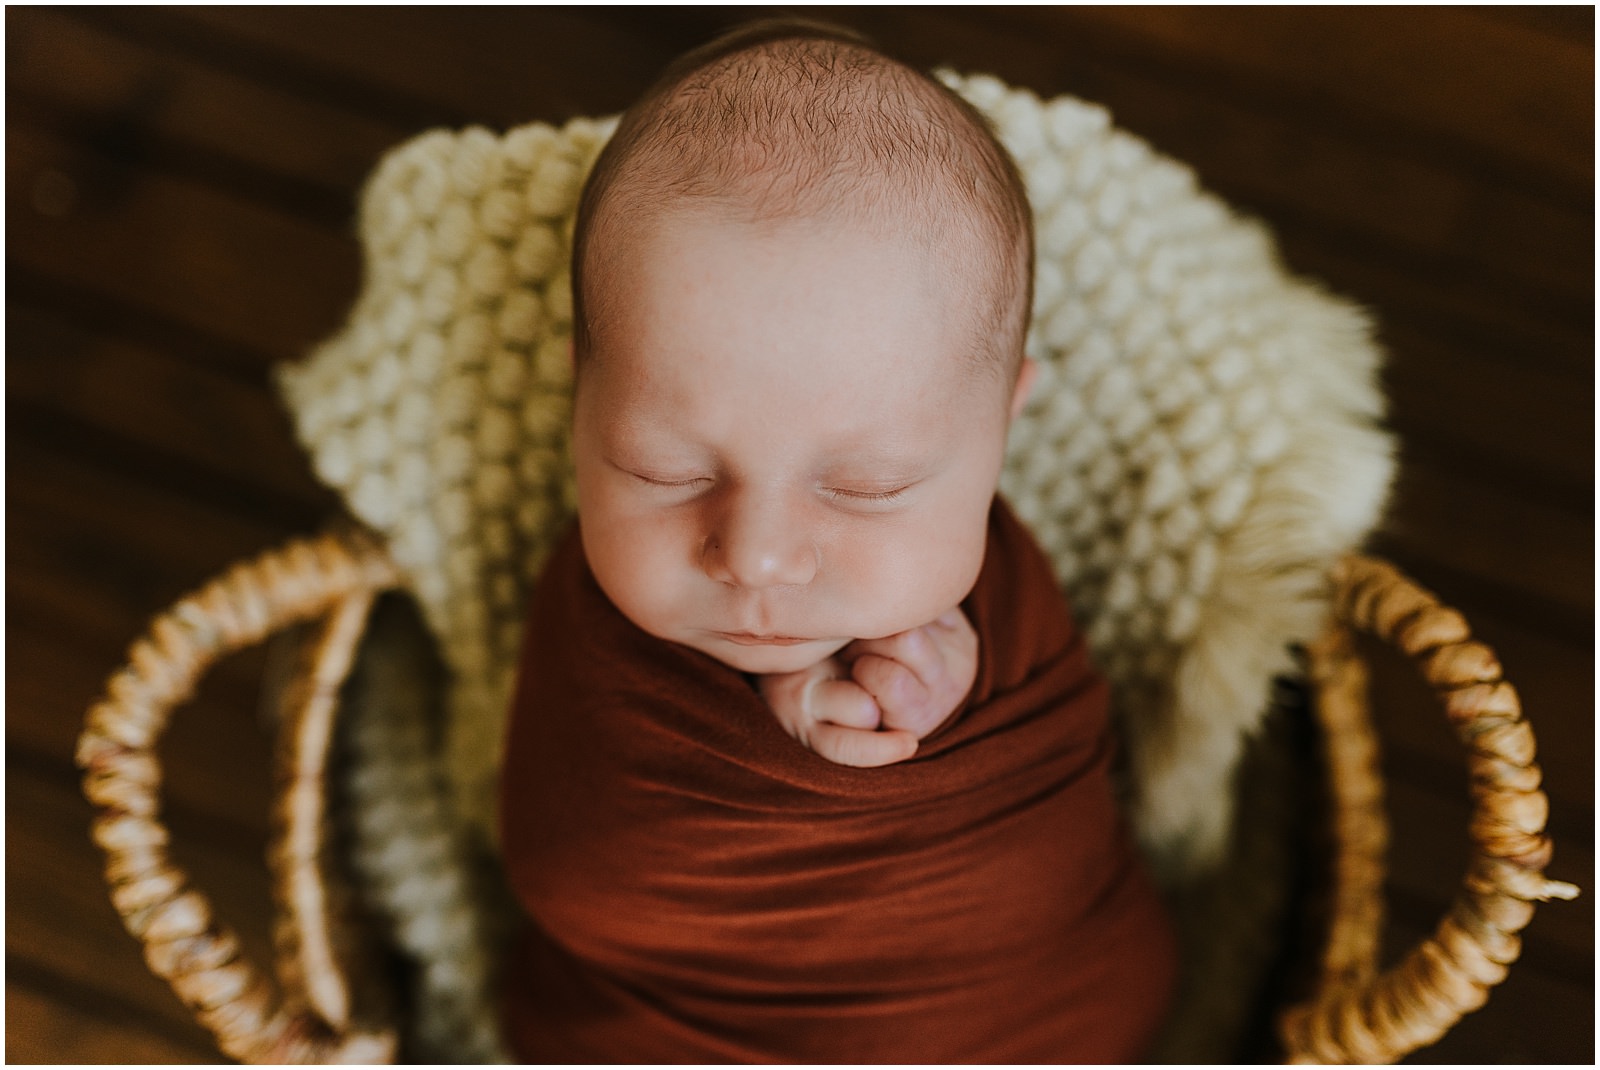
1203	441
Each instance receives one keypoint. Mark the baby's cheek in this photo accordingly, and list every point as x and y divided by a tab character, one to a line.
907	581
633	571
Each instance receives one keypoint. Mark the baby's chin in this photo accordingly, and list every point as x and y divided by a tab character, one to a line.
767	659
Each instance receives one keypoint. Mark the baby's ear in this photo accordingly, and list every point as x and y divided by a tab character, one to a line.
1026	374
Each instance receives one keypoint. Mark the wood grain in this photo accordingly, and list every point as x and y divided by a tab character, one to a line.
180	203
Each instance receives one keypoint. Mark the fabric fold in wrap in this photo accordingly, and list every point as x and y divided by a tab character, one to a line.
701	888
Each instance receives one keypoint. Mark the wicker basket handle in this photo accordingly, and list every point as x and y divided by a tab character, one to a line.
334	575
1360	1015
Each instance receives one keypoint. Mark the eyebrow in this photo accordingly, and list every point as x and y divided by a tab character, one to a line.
901	463
846	455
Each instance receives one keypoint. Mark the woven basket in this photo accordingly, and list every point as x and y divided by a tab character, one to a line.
1202	446
327	1006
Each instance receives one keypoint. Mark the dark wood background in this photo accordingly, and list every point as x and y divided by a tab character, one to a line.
179	204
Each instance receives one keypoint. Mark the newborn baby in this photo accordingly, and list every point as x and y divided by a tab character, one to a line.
807	762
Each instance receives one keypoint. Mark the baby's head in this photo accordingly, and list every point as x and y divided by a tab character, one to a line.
801	280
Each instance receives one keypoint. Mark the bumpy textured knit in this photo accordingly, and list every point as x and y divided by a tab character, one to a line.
1201	445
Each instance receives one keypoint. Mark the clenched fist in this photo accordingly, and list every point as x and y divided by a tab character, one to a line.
872	702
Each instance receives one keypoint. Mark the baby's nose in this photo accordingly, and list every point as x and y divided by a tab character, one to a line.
757	542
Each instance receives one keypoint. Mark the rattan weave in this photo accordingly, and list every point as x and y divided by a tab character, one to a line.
1356	1013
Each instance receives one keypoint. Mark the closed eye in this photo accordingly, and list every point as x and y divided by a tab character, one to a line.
654	482
880	496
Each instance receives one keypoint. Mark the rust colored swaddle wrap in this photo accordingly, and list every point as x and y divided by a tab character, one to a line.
704	889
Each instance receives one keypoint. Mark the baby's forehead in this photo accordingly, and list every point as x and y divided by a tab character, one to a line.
914	296
948	232
894	425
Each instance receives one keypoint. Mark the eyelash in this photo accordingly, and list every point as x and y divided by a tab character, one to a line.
667	482
864	496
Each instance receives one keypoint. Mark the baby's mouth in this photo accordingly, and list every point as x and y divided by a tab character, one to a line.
755	639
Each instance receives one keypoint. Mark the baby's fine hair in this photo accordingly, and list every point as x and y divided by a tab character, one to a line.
793	119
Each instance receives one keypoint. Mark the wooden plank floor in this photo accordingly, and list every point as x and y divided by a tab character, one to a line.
179	198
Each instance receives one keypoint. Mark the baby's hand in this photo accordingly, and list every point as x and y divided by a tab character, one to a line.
834	716
919	677
899	689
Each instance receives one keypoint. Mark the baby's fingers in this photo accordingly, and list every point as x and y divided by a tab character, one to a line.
919	650
859	747
843	702
896	687
939	653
